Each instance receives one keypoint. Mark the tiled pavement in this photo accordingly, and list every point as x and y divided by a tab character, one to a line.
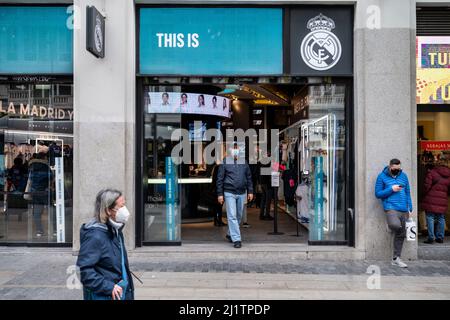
46	274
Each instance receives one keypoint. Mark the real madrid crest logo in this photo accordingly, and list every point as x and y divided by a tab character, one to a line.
320	48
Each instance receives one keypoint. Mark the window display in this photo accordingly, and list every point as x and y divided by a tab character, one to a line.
36	163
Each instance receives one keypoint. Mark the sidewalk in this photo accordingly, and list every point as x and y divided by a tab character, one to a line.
49	273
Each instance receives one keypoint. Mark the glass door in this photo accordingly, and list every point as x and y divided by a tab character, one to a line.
162	201
323	146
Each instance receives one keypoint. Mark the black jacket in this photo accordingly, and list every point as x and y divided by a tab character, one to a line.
234	177
100	259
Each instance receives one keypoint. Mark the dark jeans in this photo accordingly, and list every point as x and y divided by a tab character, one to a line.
396	221
266	200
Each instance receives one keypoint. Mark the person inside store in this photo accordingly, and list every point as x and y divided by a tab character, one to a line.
267	193
435	201
234	183
201	101
17	176
38	188
103	260
217	207
392	187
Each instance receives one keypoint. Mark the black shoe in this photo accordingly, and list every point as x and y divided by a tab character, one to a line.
238	244
429	241
229	238
268	218
440	240
222	224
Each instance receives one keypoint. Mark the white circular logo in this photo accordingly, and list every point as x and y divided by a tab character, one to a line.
98	35
321	49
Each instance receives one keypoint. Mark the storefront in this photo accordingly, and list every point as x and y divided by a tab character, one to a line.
36	125
278	68
433	119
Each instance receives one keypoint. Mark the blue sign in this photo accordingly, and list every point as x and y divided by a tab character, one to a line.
210	41
36	40
318	199
171	199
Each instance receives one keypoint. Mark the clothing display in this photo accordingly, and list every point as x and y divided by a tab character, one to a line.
302	198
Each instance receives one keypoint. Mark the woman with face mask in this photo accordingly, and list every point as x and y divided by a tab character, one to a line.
103	261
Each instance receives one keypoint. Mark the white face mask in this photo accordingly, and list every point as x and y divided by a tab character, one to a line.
122	215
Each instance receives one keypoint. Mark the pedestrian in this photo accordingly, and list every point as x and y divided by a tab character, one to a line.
39	180
435	201
103	260
392	187
234	180
218	222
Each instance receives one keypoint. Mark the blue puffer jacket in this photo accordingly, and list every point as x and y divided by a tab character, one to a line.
100	260
400	201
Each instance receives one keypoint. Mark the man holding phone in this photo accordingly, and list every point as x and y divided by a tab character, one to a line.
392	187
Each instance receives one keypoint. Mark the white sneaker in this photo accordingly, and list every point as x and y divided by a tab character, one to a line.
399	263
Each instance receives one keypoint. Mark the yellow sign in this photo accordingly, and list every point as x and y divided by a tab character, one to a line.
433	70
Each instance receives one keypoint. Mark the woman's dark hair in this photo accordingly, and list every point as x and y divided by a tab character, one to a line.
214	98
18	161
394	162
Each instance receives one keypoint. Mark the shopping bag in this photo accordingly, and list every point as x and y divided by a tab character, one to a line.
411	230
27	193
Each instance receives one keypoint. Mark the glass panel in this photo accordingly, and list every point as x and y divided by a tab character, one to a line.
162	202
323	161
36	170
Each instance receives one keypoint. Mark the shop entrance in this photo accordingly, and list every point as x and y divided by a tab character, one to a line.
178	200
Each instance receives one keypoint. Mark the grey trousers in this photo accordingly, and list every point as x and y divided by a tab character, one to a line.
396	221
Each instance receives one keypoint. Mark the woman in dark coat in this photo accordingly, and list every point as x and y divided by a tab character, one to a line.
435	202
103	261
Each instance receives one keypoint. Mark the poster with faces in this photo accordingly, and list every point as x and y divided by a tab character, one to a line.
188	103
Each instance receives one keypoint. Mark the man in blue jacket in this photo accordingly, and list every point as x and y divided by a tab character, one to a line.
392	187
234	181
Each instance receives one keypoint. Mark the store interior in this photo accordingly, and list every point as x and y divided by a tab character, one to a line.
433	132
311	122
36	163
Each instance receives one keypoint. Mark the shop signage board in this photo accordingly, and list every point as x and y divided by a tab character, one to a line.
435	145
433	70
318	199
36	40
95	32
171	198
60	205
211	41
321	41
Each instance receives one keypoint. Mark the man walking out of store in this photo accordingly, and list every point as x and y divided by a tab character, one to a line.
392	187
234	181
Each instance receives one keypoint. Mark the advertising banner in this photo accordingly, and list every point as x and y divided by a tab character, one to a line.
433	70
171	200
194	103
318	199
210	41
435	145
60	205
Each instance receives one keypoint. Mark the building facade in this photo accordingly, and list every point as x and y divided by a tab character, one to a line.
105	131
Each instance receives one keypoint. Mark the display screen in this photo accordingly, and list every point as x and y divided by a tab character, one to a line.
433	70
195	103
36	39
210	41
